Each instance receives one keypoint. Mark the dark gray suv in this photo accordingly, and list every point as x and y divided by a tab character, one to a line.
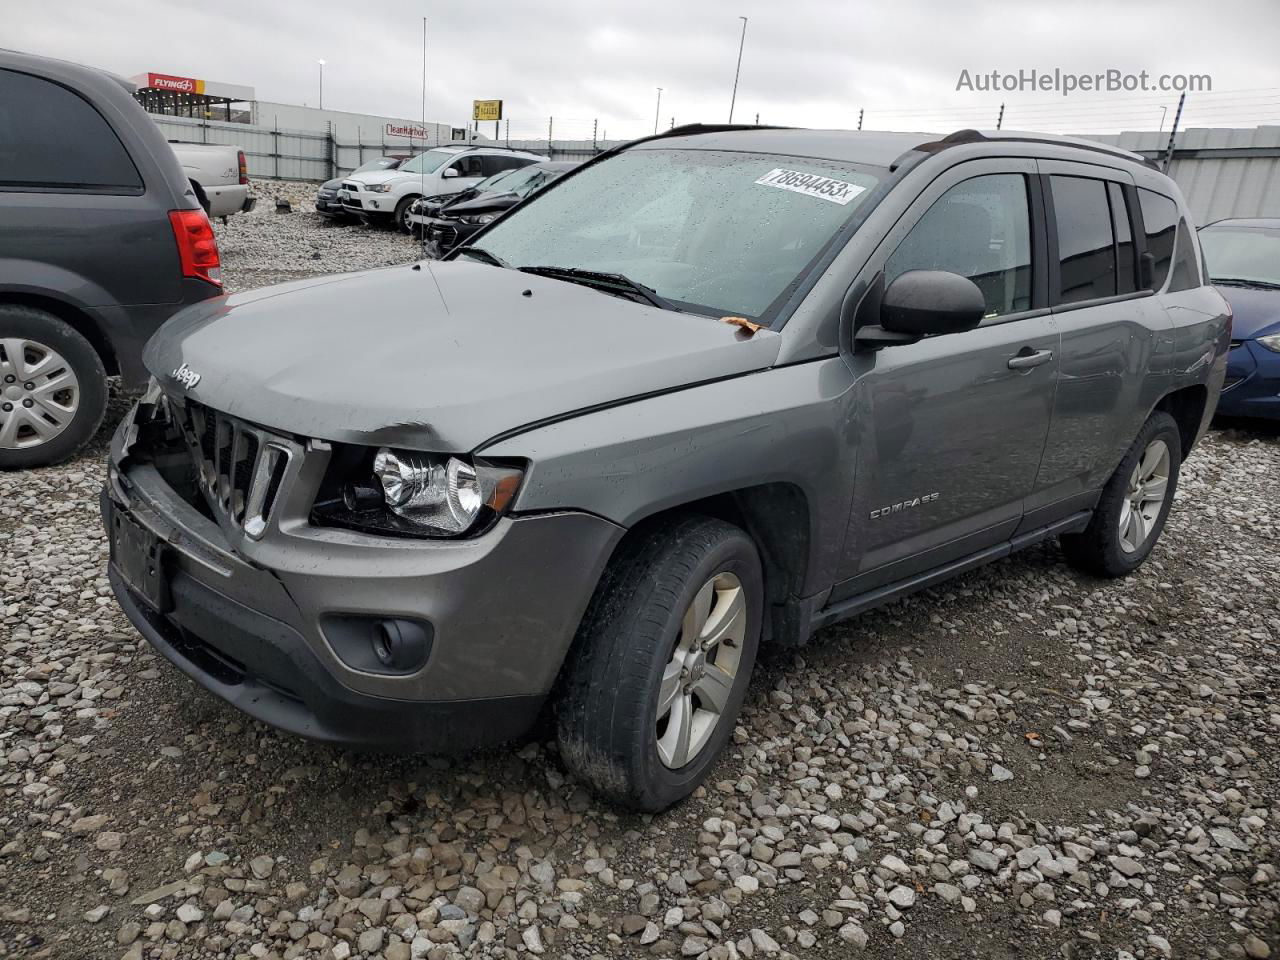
713	390
101	240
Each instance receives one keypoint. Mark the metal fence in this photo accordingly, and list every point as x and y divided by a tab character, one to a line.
1223	172
286	154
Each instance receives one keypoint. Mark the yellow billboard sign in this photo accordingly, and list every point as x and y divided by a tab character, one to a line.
486	109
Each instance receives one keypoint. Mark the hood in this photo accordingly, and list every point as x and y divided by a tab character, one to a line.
333	184
485	203
438	356
379	176
1255	311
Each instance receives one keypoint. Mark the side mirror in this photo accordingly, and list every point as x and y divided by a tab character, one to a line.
450	172
926	303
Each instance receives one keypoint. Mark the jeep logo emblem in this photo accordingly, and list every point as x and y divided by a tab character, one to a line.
186	376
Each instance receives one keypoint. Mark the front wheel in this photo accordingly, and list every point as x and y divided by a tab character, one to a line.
662	662
402	214
1134	505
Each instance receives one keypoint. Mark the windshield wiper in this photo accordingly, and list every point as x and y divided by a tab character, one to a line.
614	283
1245	282
480	253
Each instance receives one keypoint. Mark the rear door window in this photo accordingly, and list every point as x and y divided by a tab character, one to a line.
1086	239
980	229
1160	225
52	139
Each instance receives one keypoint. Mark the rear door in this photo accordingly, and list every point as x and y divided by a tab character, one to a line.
1113	333
72	199
950	430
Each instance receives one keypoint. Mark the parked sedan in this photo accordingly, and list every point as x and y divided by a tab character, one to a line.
1243	257
328	203
457	222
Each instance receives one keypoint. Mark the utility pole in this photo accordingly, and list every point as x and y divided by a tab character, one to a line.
656	109
738	69
860	112
1000	119
1173	132
321	62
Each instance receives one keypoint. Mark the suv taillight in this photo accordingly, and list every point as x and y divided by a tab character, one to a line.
197	248
244	166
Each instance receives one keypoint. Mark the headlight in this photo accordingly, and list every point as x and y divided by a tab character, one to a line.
378	187
444	495
1271	342
481	218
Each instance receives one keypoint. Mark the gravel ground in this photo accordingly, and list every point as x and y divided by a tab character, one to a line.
1022	763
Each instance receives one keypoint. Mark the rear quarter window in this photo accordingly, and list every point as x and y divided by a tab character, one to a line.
1160	224
51	138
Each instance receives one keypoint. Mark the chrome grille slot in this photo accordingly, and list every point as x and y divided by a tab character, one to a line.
239	467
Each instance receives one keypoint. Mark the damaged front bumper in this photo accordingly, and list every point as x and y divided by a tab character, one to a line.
280	625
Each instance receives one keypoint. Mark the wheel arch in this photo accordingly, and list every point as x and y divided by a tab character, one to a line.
201	196
778	517
1187	406
76	318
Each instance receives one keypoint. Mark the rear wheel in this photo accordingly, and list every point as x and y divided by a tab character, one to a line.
1134	505
53	389
662	662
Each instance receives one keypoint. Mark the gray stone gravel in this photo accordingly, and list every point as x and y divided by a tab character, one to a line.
1021	763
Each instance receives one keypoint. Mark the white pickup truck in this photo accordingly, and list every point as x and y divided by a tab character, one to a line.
219	176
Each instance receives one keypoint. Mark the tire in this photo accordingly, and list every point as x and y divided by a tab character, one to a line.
402	214
607	712
42	335
1103	548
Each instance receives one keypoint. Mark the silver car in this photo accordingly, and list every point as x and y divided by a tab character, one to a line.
713	390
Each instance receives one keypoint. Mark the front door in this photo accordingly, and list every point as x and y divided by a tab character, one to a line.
953	427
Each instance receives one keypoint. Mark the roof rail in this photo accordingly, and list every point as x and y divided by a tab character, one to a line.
966	136
691	129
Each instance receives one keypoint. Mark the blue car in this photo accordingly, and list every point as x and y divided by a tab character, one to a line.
1243	257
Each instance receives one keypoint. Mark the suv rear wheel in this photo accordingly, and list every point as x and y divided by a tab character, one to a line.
1134	504
662	662
53	389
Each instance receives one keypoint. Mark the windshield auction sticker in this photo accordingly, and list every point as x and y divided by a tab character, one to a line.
811	185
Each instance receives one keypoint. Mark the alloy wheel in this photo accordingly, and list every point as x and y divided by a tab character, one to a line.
1148	487
700	676
39	394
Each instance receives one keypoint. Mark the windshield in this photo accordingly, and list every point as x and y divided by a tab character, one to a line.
525	180
716	232
1242	253
428	162
492	183
382	163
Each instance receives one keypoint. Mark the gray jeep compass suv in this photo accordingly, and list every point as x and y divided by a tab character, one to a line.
713	390
101	241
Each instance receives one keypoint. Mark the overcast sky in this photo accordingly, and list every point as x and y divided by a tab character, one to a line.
805	62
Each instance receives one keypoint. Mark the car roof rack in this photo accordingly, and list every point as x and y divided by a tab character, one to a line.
967	136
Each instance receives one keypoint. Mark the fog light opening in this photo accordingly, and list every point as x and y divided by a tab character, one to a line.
386	636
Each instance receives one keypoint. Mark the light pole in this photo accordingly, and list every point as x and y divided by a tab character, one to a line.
321	62
656	108
1164	111
738	69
